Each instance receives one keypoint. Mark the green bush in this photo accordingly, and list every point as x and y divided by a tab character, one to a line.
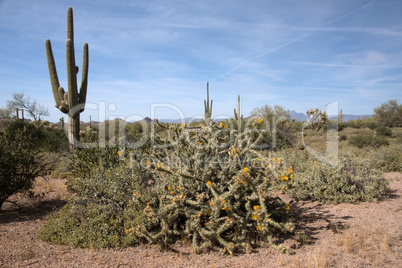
354	180
86	223
102	209
368	140
384	131
20	158
386	159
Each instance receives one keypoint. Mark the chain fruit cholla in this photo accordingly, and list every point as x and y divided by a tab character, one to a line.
71	102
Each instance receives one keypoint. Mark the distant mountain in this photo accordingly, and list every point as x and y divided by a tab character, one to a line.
147	120
178	120
346	117
298	116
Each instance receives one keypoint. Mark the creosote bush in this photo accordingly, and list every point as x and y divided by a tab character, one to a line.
21	158
384	131
97	216
353	180
368	140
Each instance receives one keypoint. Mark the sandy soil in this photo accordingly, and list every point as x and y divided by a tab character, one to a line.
345	235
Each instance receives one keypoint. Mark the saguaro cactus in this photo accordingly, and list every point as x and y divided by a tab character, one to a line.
71	102
208	105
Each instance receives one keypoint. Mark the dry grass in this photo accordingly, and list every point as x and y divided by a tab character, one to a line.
321	259
347	241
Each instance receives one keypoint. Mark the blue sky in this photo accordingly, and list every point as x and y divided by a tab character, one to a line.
300	54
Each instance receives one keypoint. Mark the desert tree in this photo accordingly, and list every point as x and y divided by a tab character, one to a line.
389	114
20	101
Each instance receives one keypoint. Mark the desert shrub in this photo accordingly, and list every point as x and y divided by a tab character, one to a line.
384	131
84	161
343	137
53	139
353	180
20	158
361	123
386	159
100	212
215	193
86	223
369	140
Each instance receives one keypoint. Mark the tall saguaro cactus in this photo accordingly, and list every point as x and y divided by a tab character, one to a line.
71	102
208	105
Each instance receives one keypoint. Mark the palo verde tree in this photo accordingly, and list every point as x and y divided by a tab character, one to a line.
71	102
389	114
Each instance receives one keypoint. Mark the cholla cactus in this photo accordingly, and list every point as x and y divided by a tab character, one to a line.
317	119
215	190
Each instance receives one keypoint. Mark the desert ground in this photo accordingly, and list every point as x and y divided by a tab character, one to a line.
344	235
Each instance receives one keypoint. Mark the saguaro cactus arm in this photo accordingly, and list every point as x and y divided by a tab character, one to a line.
84	76
54	79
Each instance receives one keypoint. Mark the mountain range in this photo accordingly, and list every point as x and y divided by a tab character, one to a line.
297	116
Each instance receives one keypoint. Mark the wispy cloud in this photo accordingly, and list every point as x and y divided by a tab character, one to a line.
301	54
368	30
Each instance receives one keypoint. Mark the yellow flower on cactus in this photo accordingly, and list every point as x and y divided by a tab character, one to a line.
260	120
290	170
246	169
183	125
221	124
225	126
273	159
292	176
256	207
284	178
287	207
127	231
169	188
223	202
209	183
209	212
279	159
254	217
159	166
200	142
259	228
119	153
